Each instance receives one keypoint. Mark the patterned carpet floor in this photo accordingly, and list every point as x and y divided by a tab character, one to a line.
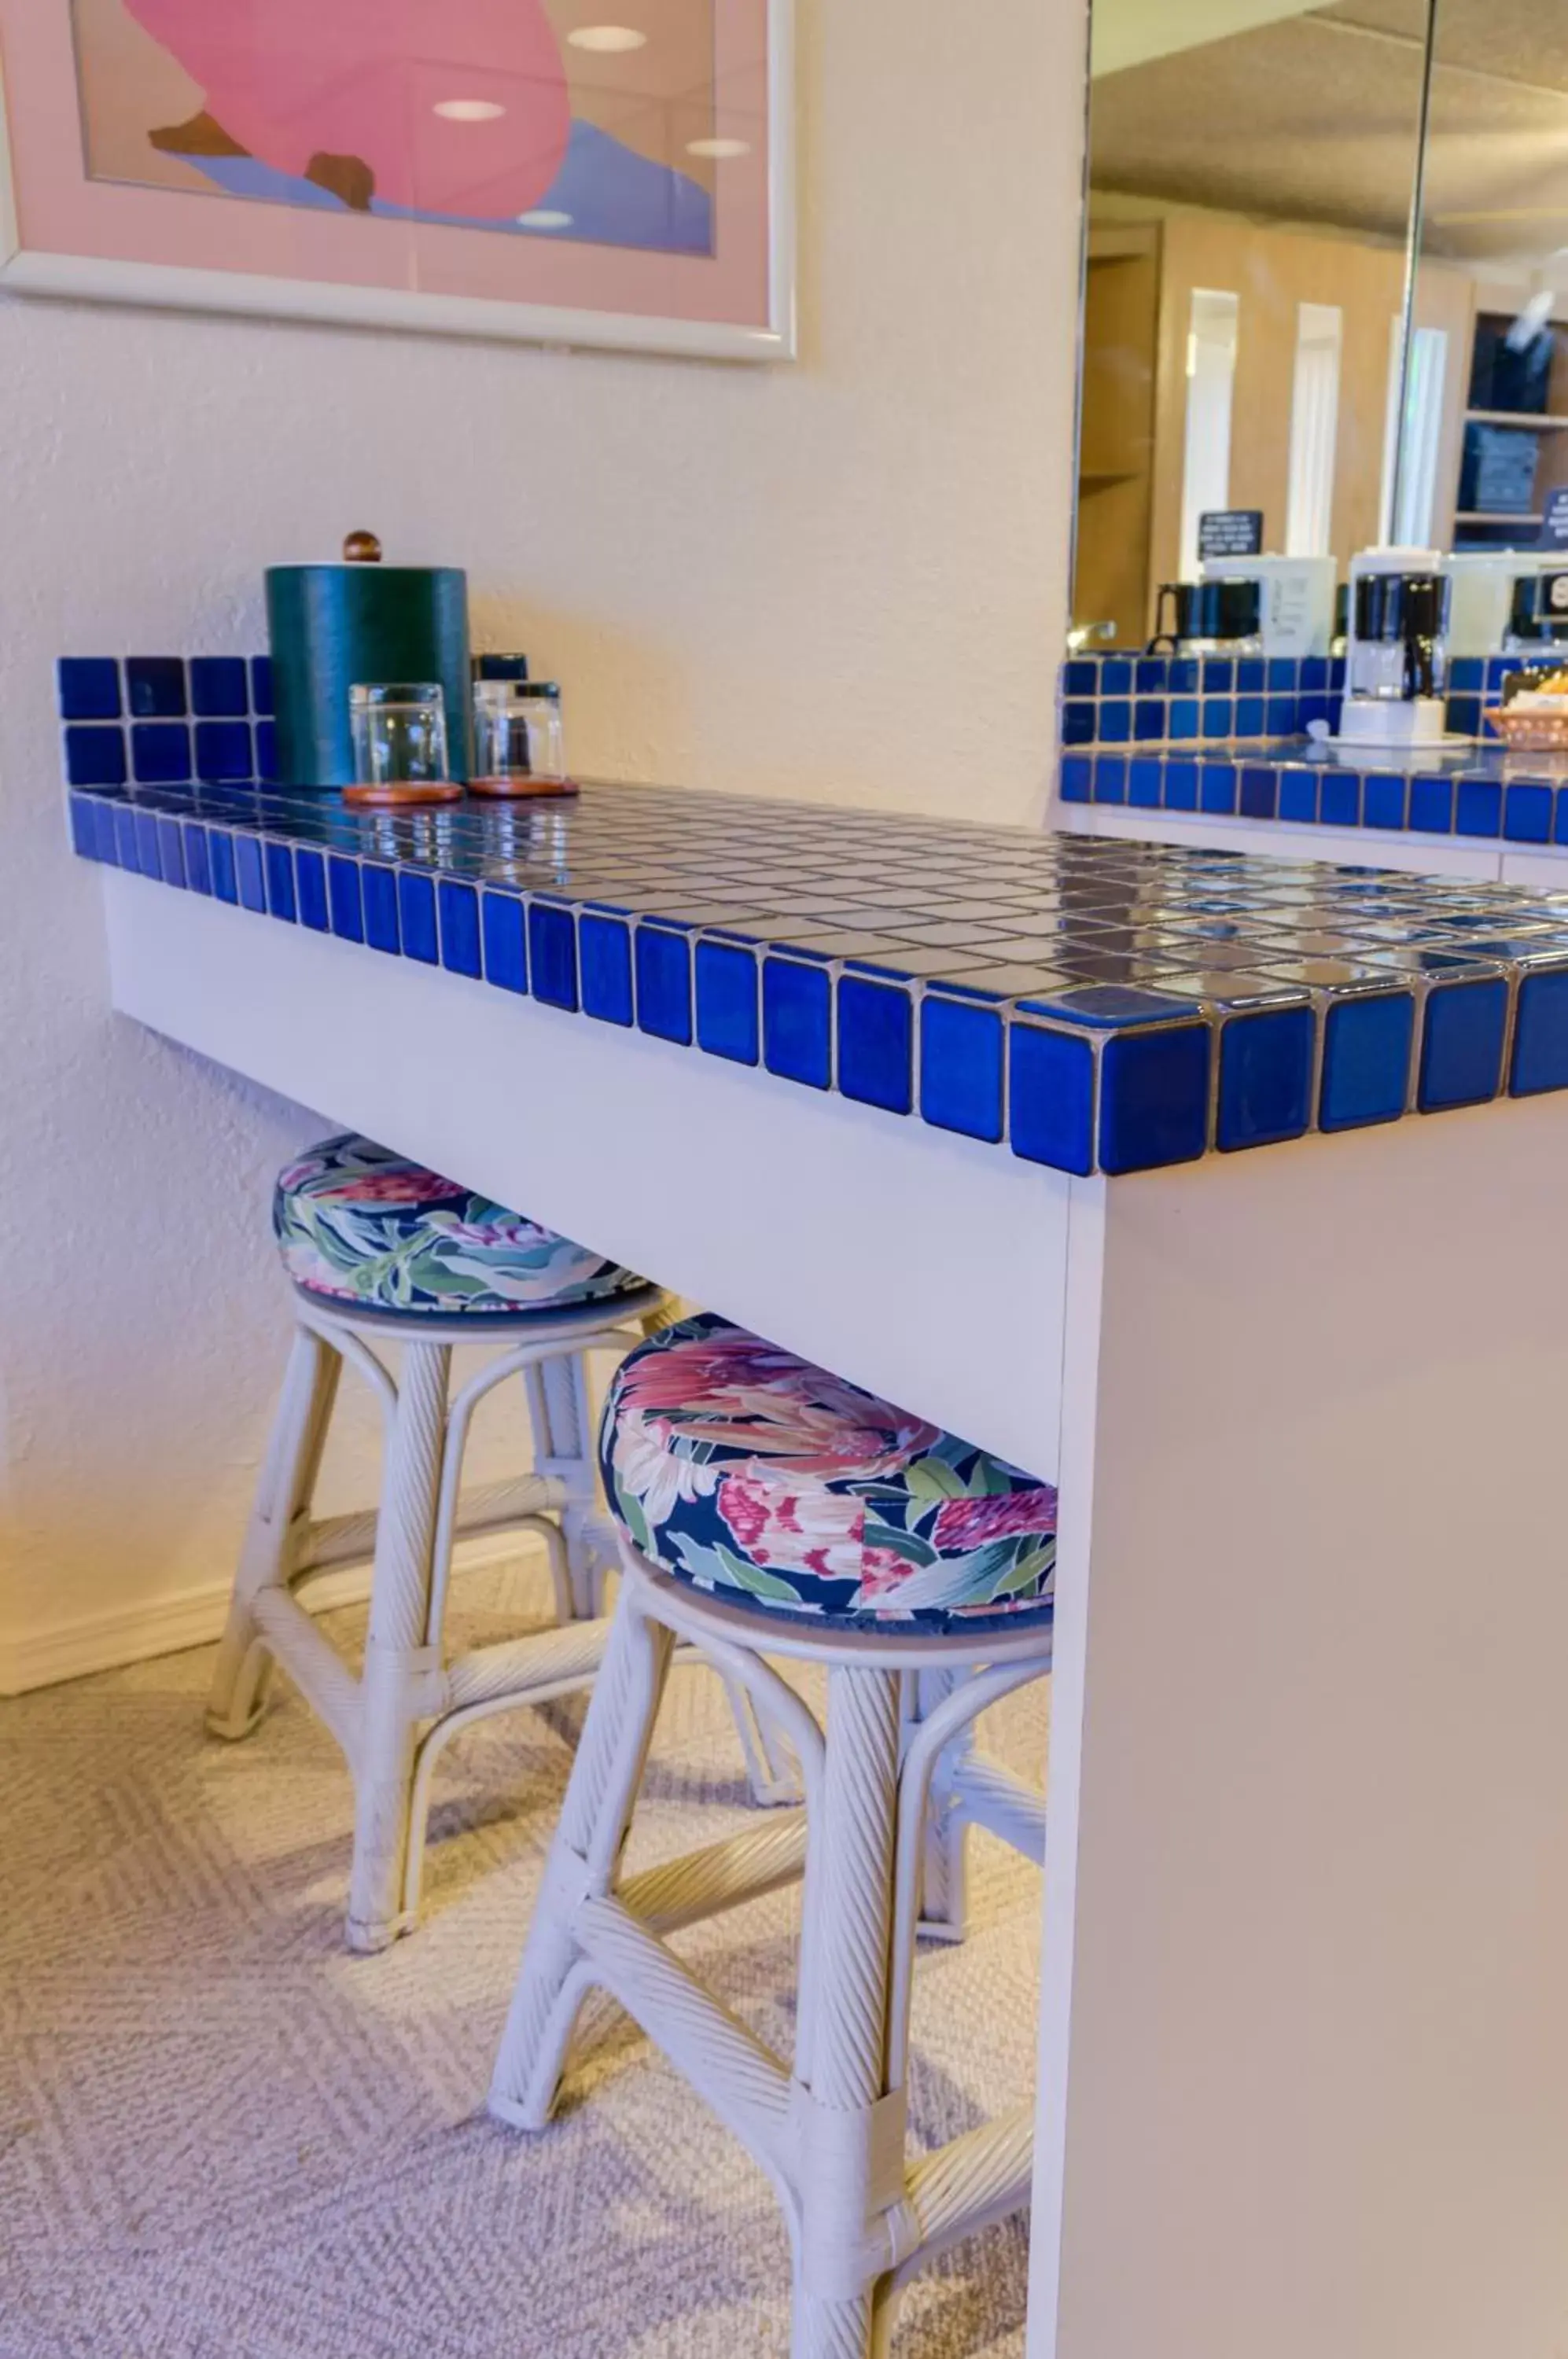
222	2137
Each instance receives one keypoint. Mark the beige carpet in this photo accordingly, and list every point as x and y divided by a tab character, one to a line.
220	2138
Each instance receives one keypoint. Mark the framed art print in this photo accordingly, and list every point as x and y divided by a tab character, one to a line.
524	168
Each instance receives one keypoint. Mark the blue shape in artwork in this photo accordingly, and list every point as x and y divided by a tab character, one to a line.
382	930
876	1044
1540	1035
610	193
417	916
1266	1079
89	687
664	984
506	941
1366	1060
797	1021
1461	1045
552	955
310	879
1052	1098
95	757
729	1021
345	902
459	928
1154	1097
604	954
960	1067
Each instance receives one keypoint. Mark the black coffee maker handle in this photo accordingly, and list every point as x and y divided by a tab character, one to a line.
1163	637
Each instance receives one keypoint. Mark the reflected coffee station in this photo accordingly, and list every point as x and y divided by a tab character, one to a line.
1323	492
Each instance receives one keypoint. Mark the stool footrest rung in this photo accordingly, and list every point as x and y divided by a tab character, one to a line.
964	2186
744	2082
322	1676
543	1659
488	1507
1008	1806
705	1883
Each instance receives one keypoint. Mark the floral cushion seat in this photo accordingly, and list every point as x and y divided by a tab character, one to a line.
361	1226
734	1465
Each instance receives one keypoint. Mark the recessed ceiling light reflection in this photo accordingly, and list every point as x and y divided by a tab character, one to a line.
470	110
543	218
608	41
723	150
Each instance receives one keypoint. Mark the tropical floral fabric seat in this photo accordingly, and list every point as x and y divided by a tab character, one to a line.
360	1225
735	1466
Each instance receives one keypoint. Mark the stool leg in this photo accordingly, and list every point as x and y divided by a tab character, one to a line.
582	1862
945	1885
558	1404
238	1694
400	1667
852	2159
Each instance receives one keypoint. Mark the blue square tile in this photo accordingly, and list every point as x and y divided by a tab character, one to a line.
198	858
261	684
1461	1045
417	916
1186	717
84	828
1149	719
664	984
1464	715
1281	717
797	1021
281	898
1431	806
223	751
219	690
248	869
1315	673
506	941
160	753
1219	716
1251	716
103	829
1560	824
1219	676
1540	1035
1478	808
1259	793
1115	676
1339	798
1266	1079
94	758
1077	779
311	883
1151	675
1299	796
876	1044
1144	781
266	751
154	687
1080	679
1527	813
1366	1060
1182	786
728	1018
89	687
149	859
1154	1097
126	856
1186	673
345	905
1467	672
1497	670
604	959
1078	722
552	955
1110	778
1337	675
1052	1098
960	1067
379	888
1383	801
1251	676
170	852
458	907
1310	709
1217	788
225	866
1115	722
1283	675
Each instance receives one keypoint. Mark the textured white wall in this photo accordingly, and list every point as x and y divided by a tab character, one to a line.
843	581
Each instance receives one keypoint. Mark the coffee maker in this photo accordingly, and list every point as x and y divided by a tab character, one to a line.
1397	652
1209	619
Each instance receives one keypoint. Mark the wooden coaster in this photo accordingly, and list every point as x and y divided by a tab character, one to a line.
523	791
403	794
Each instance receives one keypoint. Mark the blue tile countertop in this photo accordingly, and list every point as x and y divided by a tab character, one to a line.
1087	1004
1465	790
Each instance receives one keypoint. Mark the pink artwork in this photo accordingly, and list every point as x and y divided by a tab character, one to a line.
493	166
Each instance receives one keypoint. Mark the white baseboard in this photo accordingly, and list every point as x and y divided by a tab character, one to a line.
168	1625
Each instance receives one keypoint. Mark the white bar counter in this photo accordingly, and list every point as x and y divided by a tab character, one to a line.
1303	2039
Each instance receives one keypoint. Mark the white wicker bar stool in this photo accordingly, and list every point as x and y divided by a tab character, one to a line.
764	1506
380	1250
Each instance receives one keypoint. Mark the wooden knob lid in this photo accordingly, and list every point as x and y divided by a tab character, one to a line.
361	549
